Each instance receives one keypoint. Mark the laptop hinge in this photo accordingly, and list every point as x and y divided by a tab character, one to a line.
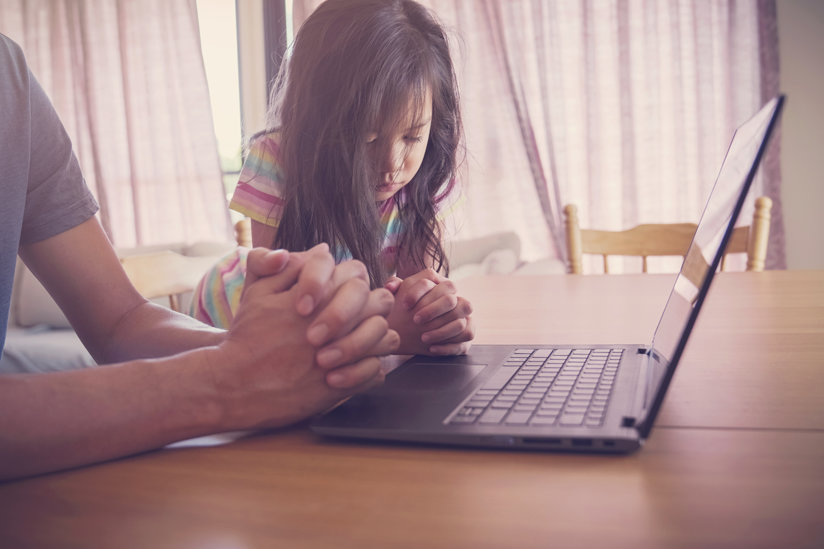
631	422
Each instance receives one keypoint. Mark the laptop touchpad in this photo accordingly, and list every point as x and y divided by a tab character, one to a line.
426	376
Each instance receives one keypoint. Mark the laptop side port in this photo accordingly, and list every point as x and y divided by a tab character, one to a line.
540	440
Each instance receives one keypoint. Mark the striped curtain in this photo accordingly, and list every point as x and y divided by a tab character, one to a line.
127	79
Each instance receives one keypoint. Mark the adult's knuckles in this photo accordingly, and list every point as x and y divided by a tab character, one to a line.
383	300
469	331
336	317
369	334
361	375
391	341
357	285
351	298
356	269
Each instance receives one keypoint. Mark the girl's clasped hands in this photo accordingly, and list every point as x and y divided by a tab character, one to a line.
429	315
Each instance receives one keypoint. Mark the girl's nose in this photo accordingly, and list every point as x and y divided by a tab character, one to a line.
393	159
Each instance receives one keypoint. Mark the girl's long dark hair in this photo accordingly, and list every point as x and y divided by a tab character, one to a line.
356	66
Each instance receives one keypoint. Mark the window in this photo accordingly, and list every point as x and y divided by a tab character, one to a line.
218	37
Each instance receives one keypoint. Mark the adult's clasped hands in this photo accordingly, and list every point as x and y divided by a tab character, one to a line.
307	334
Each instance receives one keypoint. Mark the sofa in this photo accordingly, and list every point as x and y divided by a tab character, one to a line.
39	337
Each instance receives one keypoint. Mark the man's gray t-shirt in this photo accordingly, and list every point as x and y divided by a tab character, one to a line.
43	190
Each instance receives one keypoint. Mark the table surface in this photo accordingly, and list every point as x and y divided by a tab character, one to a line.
735	460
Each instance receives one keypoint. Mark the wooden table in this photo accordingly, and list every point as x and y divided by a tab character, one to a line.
736	460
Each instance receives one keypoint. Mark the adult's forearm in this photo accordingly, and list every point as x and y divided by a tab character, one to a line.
152	331
67	419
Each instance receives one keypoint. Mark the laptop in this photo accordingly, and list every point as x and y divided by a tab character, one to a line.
594	398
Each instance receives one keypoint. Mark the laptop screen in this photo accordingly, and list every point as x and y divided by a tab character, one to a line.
704	254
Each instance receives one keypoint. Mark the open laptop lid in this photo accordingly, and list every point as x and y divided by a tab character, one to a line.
704	255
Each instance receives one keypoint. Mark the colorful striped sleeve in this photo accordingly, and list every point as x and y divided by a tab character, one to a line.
217	296
259	192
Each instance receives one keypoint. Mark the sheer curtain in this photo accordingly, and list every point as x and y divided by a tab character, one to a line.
624	107
127	79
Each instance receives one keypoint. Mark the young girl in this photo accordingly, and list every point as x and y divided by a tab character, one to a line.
361	154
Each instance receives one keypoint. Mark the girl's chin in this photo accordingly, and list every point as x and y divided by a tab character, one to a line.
385	192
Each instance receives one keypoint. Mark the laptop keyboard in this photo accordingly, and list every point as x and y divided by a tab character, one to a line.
567	387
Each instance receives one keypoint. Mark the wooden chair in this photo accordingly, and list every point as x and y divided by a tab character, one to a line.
669	239
166	274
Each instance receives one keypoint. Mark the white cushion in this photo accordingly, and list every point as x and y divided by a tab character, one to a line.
476	250
502	261
33	306
42	349
31	303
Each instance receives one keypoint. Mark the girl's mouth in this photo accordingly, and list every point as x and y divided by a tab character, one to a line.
388	187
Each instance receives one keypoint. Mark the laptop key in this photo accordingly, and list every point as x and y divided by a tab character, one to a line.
548	411
493	415
572	419
523	408
463	419
518	417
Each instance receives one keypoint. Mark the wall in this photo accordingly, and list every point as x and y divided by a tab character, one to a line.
801	57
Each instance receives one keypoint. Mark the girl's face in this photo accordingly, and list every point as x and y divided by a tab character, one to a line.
399	155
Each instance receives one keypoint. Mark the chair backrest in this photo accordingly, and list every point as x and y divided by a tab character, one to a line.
666	239
166	274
